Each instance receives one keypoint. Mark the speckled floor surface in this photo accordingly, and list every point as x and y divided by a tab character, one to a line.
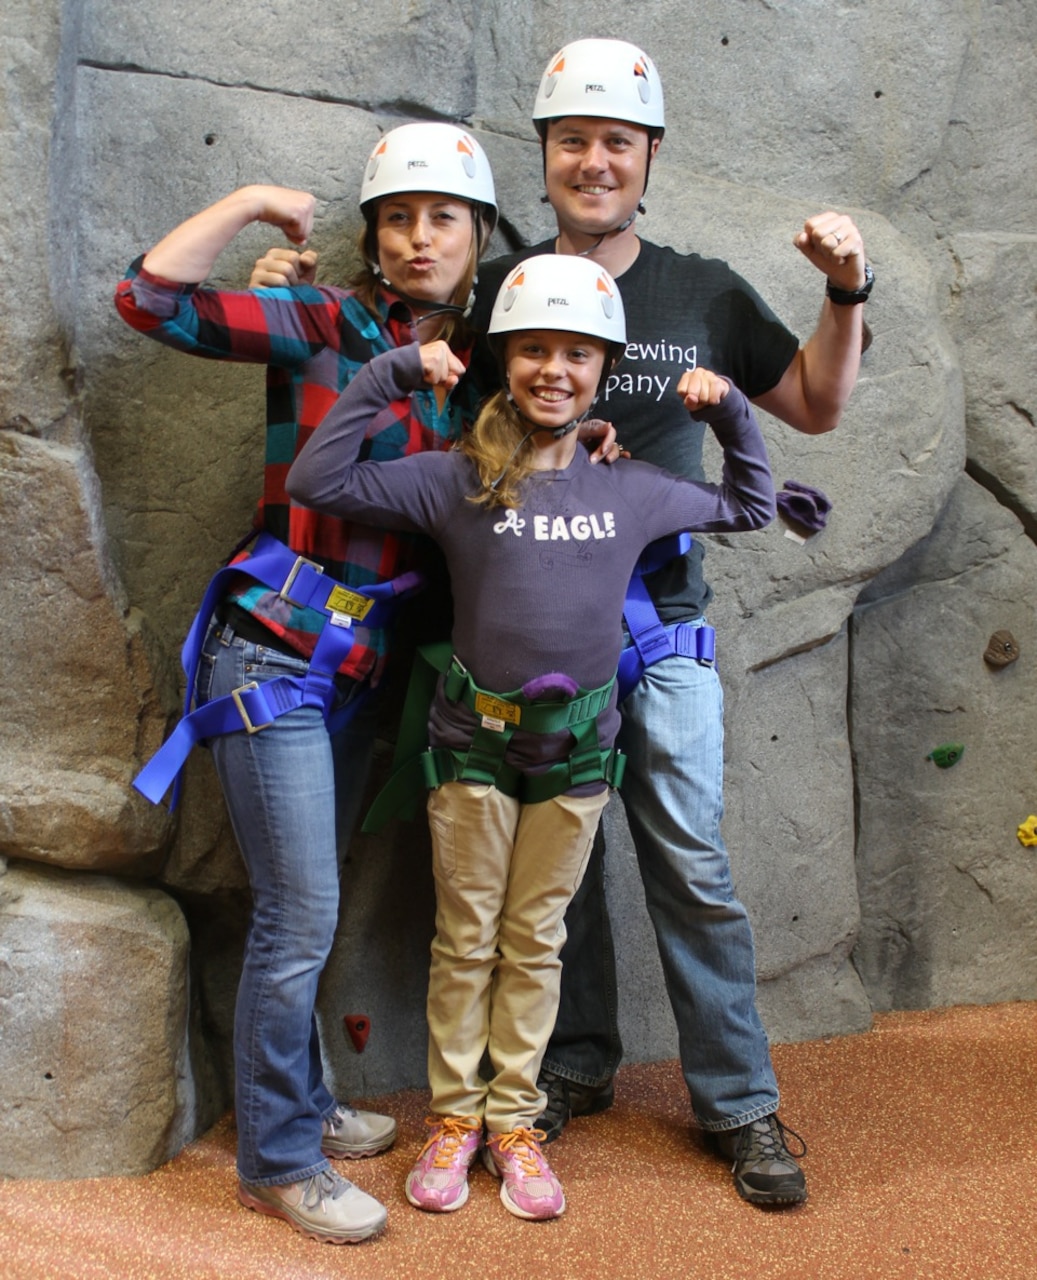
922	1163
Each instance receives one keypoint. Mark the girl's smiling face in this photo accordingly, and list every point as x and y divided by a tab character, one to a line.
553	376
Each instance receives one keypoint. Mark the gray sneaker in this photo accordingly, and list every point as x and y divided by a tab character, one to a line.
325	1207
348	1134
765	1170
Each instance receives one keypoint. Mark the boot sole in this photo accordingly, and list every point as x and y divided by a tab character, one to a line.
358	1151
771	1199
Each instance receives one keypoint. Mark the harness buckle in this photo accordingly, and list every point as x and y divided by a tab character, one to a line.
240	704
300	563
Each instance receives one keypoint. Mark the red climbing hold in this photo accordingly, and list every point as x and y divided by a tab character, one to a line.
358	1028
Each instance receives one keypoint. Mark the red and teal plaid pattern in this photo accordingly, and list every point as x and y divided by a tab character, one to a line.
312	341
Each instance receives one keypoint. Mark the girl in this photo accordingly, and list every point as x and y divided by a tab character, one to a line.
540	546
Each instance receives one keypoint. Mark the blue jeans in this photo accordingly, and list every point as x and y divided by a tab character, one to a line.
673	794
293	792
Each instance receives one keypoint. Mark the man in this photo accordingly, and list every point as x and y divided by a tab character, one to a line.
599	114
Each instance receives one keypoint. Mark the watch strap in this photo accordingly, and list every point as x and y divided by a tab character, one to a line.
852	297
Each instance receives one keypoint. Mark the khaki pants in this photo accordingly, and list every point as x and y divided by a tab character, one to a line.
505	873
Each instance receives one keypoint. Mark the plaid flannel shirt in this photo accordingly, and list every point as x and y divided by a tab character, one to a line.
312	341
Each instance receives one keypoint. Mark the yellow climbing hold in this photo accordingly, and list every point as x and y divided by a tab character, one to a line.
1027	832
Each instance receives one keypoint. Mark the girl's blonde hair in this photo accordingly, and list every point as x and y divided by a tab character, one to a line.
502	458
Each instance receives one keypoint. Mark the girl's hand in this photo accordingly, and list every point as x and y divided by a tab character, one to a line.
439	366
699	387
283	268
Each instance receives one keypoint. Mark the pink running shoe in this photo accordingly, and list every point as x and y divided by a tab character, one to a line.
439	1180
528	1187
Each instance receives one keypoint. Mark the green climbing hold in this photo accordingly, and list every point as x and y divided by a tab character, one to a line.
947	755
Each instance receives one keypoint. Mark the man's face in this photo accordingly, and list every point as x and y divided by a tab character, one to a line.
595	171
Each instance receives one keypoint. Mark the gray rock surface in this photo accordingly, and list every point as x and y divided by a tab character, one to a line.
994	322
94	1051
79	712
947	891
34	362
875	879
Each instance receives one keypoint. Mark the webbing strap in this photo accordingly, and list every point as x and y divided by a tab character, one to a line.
533	717
661	552
251	708
651	640
254	707
436	765
299	582
417	766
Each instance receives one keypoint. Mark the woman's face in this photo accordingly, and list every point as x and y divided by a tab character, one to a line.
553	376
424	244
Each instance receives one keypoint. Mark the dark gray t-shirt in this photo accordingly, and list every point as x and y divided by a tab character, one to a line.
682	311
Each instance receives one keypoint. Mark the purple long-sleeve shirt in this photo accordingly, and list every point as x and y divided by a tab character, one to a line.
538	589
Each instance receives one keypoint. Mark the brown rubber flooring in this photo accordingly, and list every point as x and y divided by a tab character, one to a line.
922	1163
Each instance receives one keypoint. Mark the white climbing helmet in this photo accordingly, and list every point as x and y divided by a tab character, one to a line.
429	156
606	78
564	292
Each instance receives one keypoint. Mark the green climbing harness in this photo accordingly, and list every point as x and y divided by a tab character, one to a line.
417	766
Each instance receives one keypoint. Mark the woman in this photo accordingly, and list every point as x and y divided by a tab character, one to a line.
266	661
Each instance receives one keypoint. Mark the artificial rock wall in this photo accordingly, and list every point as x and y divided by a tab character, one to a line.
875	878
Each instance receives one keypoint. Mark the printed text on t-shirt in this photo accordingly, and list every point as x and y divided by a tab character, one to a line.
560	528
655	384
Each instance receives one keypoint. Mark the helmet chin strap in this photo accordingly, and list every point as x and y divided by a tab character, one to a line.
559	433
441	309
613	231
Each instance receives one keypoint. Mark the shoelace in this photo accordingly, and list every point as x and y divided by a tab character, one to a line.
450	1133
323	1186
338	1117
524	1146
769	1141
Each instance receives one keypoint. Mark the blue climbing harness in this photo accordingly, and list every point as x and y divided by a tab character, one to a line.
254	707
650	640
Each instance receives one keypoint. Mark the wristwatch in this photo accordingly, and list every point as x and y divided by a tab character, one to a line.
851	297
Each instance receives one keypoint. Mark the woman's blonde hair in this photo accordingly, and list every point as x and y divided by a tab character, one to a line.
502	457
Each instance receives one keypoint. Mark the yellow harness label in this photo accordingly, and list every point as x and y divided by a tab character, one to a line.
351	603
496	709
